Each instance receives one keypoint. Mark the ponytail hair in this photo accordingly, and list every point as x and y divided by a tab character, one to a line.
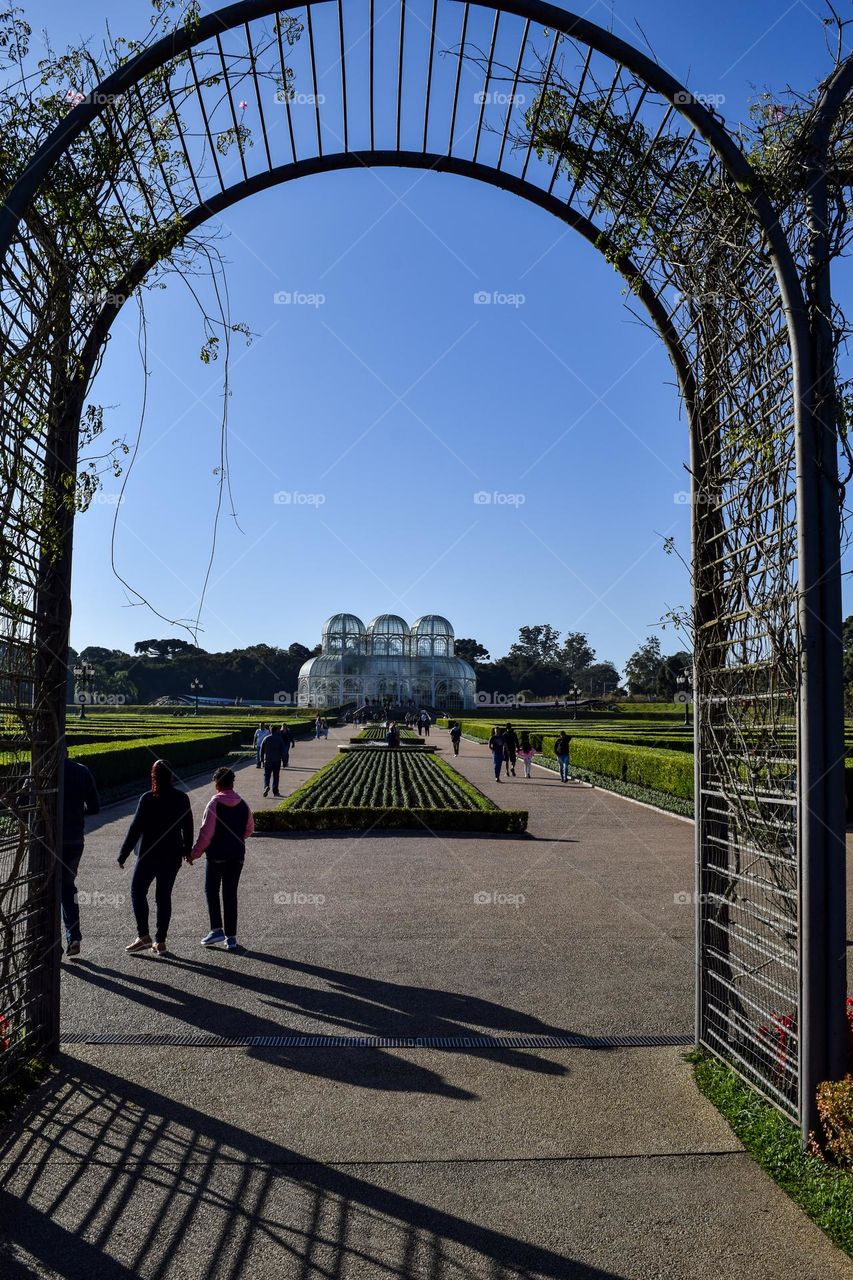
162	778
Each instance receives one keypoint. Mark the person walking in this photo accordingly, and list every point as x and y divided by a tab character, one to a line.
260	733
526	751
455	736
496	746
318	727
273	751
80	799
162	828
392	737
510	748
225	828
288	741
561	751
426	721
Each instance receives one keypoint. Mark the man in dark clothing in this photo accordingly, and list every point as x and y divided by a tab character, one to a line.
273	752
510	749
289	741
80	797
455	735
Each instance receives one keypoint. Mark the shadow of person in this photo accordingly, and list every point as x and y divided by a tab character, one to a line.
365	1066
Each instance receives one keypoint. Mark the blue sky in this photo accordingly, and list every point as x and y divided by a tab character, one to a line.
386	407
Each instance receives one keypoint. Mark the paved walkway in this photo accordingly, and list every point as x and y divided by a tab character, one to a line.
361	1161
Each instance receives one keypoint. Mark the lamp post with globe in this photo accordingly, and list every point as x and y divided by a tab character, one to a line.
84	672
196	686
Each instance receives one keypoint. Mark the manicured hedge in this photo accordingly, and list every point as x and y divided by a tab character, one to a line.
498	821
391	788
667	771
115	763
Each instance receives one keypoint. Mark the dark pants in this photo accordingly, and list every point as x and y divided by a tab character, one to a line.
498	759
71	855
224	876
509	756
285	761
455	742
272	770
148	869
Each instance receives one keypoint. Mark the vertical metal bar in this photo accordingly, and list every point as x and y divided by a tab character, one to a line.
429	70
285	87
230	95
539	106
205	120
189	163
400	69
580	177
511	102
314	79
458	77
343	72
486	84
370	25
254	69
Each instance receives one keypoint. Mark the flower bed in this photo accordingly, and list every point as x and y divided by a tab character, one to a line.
389	789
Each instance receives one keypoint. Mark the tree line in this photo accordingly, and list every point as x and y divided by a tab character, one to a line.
542	663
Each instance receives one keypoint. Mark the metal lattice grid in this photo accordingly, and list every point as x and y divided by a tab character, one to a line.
552	108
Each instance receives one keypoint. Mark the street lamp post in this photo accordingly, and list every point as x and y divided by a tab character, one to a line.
84	672
574	691
684	683
196	686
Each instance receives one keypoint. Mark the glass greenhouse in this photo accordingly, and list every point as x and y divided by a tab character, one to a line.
388	659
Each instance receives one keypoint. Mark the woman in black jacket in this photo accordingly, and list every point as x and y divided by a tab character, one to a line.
162	827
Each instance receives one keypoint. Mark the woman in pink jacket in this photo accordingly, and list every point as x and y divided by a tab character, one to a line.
226	826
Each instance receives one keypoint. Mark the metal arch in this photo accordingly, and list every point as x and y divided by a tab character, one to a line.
434	163
814	602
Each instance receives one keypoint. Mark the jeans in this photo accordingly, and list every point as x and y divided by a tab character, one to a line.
498	760
148	869
455	746
564	768
224	876
527	761
71	855
272	770
285	760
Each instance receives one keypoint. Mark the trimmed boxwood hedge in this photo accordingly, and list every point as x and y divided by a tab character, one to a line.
659	770
497	821
114	763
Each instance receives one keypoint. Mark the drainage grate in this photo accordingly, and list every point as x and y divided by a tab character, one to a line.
205	1041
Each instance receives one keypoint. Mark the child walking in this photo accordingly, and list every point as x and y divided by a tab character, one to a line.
226	826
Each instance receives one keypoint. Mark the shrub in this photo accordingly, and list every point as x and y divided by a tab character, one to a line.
667	771
114	763
835	1108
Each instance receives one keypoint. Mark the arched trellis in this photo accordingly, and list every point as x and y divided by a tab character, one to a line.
687	208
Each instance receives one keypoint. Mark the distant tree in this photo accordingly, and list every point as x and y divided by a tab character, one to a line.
576	654
599	679
641	669
670	672
471	650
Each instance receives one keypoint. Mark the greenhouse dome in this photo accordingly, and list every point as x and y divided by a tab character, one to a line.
387	663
